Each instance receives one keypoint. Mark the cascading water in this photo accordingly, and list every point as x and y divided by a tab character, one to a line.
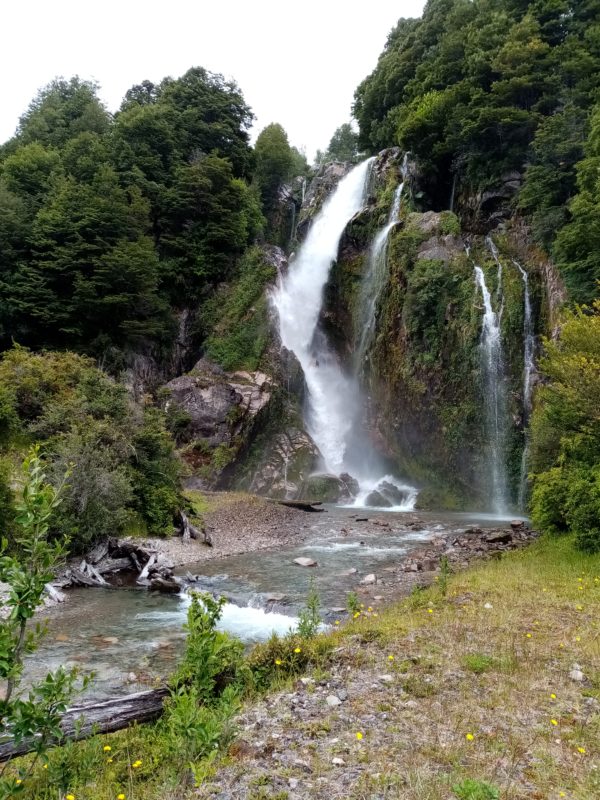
376	275
528	373
333	408
494	397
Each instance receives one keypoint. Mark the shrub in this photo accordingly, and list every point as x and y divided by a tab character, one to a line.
310	619
470	789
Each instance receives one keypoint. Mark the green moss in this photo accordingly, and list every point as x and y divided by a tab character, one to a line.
239	316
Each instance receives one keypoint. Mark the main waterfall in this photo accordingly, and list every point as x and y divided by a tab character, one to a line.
333	410
493	387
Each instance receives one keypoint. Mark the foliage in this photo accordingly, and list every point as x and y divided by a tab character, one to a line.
470	789
309	619
343	145
37	713
212	659
239	315
566	432
125	457
108	223
478	90
274	163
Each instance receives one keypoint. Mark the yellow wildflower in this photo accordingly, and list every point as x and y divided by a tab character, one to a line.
369	608
391	657
554	722
137	764
357	614
278	662
297	650
430	610
359	736
121	796
109	761
528	636
69	797
581	750
469	737
579	608
107	748
578	638
337	622
552	696
375	614
18	781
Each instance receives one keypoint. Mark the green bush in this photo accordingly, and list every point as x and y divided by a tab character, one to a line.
470	789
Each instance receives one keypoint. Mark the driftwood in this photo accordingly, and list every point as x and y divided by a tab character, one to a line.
189	531
300	506
106	716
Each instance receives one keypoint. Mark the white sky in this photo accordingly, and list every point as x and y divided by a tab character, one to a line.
296	63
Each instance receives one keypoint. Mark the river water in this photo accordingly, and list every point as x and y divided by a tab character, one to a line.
129	636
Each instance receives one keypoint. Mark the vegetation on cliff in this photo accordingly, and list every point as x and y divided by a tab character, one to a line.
477	91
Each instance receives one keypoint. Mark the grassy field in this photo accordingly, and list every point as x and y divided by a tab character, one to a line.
479	701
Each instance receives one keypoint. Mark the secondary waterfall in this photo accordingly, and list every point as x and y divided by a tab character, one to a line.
493	387
376	275
333	408
528	372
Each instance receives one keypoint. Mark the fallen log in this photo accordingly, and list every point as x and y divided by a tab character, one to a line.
300	505
106	716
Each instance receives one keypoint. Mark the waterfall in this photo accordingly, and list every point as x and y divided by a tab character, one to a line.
494	399
333	403
453	191
528	373
376	275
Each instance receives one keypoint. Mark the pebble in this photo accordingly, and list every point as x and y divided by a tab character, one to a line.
488	605
369	579
305	562
332	700
386	678
338	762
293	783
577	675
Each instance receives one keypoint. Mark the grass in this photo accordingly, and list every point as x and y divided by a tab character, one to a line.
481	700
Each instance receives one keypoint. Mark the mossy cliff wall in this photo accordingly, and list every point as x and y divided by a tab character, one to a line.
422	373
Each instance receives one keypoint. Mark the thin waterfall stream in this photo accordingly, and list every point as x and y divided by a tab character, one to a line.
495	405
528	373
334	404
376	274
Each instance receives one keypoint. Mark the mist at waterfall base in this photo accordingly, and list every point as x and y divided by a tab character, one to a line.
334	406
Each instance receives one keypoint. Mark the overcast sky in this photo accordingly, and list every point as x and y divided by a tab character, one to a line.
296	63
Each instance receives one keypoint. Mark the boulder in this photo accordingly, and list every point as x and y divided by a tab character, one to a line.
322	487
499	537
369	579
377	500
305	562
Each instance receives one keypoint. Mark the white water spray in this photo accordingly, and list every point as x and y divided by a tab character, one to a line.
495	402
376	274
333	409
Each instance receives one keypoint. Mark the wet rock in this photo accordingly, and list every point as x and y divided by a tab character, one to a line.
499	537
302	561
351	485
377	500
323	488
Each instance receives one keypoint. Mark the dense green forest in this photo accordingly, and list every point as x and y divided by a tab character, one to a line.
477	90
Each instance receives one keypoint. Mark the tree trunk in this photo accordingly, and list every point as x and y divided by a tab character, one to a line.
106	716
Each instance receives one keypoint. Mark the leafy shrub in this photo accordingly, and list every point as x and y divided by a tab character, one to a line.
470	789
285	656
309	618
125	456
566	432
213	660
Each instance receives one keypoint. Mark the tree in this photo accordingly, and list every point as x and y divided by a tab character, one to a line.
274	163
62	110
343	145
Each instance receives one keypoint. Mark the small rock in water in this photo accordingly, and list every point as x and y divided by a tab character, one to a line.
368	579
110	640
332	700
276	597
377	597
132	677
305	562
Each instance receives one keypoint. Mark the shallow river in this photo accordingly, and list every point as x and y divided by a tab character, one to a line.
129	636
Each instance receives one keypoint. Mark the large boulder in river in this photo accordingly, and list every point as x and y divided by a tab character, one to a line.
323	488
